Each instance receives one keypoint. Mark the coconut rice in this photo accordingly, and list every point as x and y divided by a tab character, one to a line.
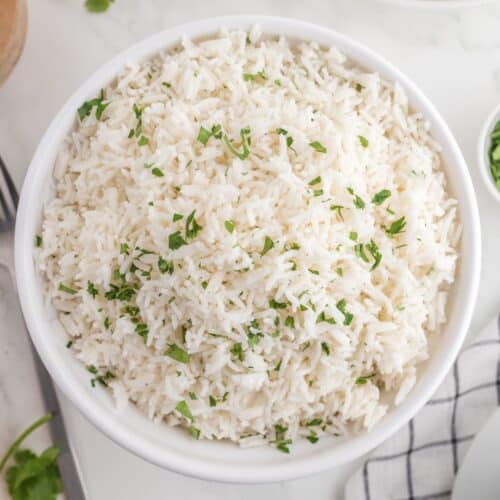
251	239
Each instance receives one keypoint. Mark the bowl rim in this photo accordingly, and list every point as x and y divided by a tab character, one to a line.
108	423
483	146
438	4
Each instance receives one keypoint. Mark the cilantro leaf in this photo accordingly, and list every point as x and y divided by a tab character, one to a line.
98	5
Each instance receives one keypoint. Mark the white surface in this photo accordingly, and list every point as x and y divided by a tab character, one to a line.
452	55
478	475
171	447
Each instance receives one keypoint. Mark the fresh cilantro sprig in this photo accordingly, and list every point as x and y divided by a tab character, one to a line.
32	476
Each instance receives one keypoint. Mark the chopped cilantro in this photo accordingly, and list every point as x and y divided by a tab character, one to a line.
237	350
142	330
67	289
192	227
177	217
229	225
204	135
290	322
194	432
212	401
38	241
183	408
338	209
317	146
353	235
381	196
156	171
363	380
165	266
316	180
177	353
360	252
375	253
91	289
268	244
358	202
98	5
273	304
325	348
363	141
175	241
245	142
396	227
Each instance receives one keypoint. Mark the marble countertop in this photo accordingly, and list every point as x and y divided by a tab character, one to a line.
452	54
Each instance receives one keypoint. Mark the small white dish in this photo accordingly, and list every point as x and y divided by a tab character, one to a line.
171	447
478	476
483	152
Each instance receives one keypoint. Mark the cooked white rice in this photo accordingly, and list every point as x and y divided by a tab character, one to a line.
237	340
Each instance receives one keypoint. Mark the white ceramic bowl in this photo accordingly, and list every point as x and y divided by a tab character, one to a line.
483	148
439	4
170	447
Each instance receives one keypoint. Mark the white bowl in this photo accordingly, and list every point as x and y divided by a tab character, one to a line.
483	148
439	4
171	447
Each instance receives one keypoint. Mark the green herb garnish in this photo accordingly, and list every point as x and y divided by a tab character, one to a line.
183	408
360	252
98	5
375	253
86	108
273	304
381	196
358	202
142	330
91	289
165	266
325	348
177	353
212	401
245	142
32	477
177	217
156	171
175	241
494	155
67	289
363	141
396	227
192	227
363	380
338	209
314	422
229	225
290	322
38	241
237	350
348	317
316	180
317	146
268	244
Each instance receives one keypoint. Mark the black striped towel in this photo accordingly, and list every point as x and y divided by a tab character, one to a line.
421	461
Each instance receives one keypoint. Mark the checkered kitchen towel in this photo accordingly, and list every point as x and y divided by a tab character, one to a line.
421	460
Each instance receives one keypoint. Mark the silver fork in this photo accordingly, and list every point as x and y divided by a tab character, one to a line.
67	466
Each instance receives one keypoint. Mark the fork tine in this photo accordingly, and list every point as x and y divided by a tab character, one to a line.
10	185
